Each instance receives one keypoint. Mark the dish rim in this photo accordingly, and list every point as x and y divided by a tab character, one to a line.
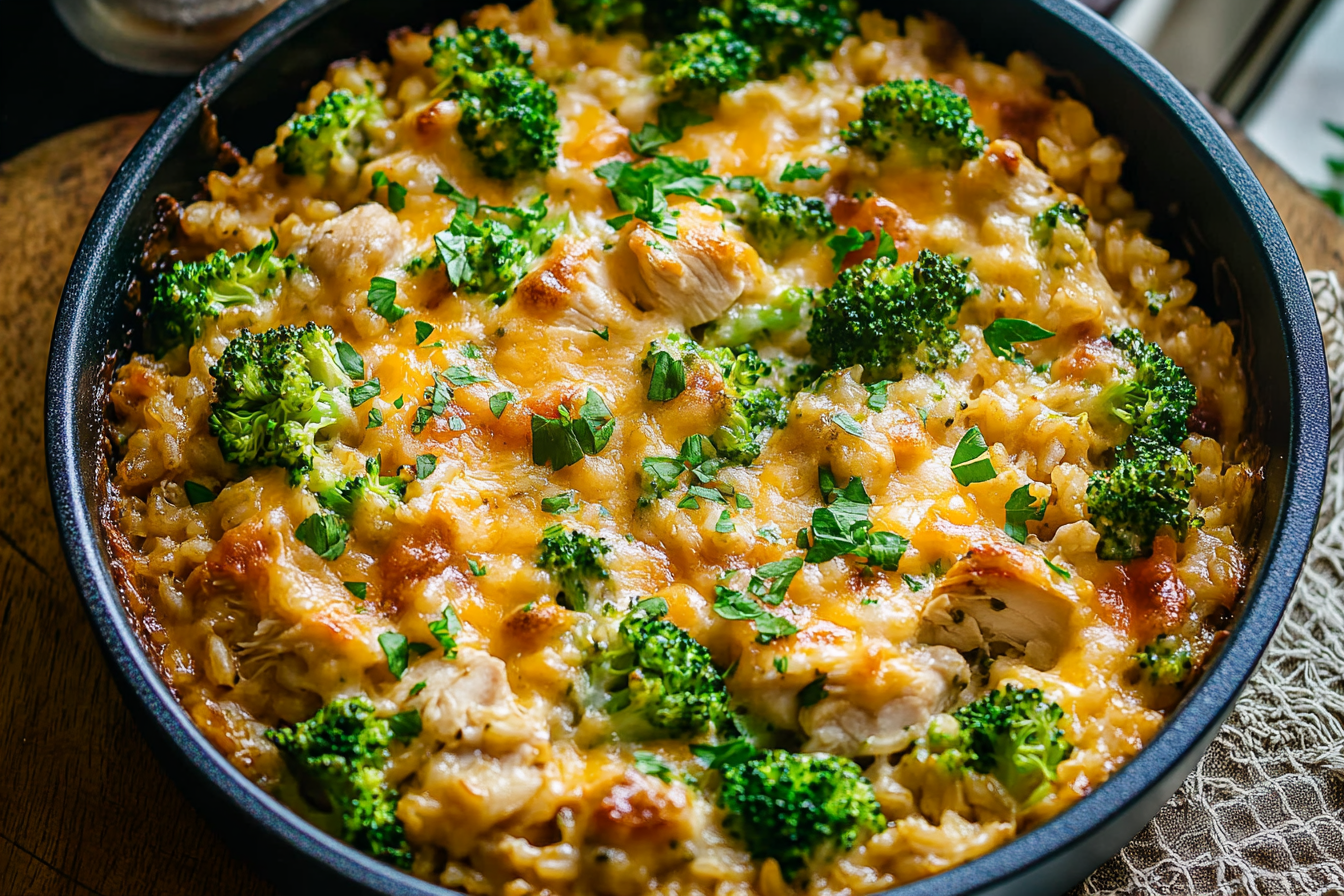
1190	729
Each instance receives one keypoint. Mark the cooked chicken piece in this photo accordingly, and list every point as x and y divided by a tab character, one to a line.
352	248
572	287
1001	598
696	277
467	703
869	712
463	795
257	567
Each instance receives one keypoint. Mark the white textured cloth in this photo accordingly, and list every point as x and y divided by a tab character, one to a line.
1264	811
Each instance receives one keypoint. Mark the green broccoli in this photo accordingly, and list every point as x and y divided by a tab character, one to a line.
1149	486
600	17
1166	661
274	393
371	490
489	255
1157	399
698	66
474	51
1013	735
744	322
191	291
575	560
791	34
1146	489
333	130
654	680
889	317
793	807
929	122
778	220
756	409
1043	225
340	755
509	117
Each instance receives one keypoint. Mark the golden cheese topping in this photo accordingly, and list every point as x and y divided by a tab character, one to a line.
498	425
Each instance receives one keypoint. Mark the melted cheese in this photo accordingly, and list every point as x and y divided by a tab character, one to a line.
503	792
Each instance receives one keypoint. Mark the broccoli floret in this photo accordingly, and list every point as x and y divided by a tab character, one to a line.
929	122
655	681
1013	735
599	16
274	393
193	290
491	255
1158	398
509	117
509	120
778	220
341	754
1166	661
698	66
1143	492
1149	486
332	132
474	51
795	807
792	34
888	317
745	321
756	409
1043	225
575	560
368	493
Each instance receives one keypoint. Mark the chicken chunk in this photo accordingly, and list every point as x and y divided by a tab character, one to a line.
258	567
870	711
695	277
467	704
464	795
350	249
1003	599
572	288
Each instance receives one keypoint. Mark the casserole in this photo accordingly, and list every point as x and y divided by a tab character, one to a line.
1230	268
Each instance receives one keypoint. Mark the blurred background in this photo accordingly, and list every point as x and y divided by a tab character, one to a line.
1276	65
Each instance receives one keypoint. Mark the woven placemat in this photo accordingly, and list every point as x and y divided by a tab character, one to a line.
1264	812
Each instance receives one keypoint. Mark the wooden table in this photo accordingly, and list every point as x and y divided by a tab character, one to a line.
84	807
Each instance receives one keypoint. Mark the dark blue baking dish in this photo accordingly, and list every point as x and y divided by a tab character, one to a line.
1209	208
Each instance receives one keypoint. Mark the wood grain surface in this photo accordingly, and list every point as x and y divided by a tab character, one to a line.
84	807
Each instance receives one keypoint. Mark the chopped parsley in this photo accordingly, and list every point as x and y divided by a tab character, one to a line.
383	299
397	649
325	534
566	439
673	120
197	493
1002	334
970	461
361	394
802	171
445	631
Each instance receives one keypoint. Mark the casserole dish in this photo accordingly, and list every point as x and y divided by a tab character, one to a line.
1242	260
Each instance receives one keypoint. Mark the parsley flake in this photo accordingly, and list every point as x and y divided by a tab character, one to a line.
361	394
383	299
498	402
398	652
325	534
197	493
802	171
1001	335
445	631
970	461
